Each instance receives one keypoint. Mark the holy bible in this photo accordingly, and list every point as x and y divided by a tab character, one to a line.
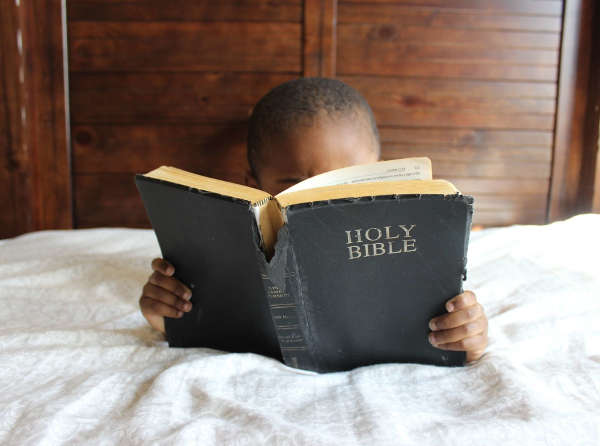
342	270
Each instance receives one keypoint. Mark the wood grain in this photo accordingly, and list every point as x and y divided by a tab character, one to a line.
591	175
442	17
34	128
541	7
470	155
381	50
185	46
571	108
16	189
168	97
500	186
467	137
470	83
205	149
458	102
185	10
319	38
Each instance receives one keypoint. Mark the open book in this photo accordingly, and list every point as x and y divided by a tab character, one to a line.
401	176
341	270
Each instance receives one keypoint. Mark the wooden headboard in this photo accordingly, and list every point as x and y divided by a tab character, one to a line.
497	93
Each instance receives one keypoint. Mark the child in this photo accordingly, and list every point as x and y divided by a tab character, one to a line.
299	129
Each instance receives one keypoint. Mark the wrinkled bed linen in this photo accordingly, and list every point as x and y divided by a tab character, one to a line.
79	364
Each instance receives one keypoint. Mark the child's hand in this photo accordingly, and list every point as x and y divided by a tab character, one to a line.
464	327
164	295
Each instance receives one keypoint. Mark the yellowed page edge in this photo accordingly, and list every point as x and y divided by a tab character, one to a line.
402	187
225	188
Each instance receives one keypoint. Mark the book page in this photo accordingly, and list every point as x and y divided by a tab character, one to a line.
392	170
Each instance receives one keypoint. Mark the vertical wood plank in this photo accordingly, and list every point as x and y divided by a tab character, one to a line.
319	38
35	165
596	192
45	108
568	153
590	169
15	161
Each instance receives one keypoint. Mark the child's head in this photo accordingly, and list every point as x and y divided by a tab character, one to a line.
305	127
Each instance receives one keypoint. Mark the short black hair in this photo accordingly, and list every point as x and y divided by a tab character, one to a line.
290	104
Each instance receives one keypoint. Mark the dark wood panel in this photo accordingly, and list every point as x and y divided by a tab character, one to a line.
319	38
458	102
175	97
498	210
501	97
392	50
497	90
500	186
480	138
15	184
451	117
205	149
435	17
185	46
185	10
486	169
394	43
444	69
553	8
113	200
466	154
35	178
569	150
400	35
108	200
509	217
590	175
488	203
47	106
472	84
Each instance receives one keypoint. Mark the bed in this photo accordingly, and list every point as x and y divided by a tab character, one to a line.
79	364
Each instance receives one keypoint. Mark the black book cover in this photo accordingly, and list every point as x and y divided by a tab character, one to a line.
352	282
373	271
211	240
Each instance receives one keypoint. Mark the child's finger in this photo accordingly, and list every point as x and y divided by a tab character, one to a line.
461	301
160	294
171	284
147	304
473	343
459	333
474	355
456	318
162	266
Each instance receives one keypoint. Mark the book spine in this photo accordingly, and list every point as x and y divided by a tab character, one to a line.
283	292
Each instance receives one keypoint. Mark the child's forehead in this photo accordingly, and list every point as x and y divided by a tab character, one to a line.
325	123
324	140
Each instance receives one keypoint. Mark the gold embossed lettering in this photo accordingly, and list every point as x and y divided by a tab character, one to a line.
353	252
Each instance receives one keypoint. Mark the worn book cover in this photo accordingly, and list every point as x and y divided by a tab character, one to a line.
342	271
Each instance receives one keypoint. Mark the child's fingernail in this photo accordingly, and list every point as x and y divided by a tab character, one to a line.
179	313
187	306
432	324
450	306
187	295
170	270
431	338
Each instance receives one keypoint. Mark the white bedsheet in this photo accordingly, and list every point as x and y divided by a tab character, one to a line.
79	364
